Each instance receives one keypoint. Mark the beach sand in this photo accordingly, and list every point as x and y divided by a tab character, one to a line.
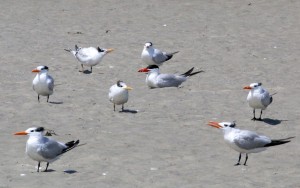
167	143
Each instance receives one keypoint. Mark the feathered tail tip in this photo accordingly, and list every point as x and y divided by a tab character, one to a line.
68	50
279	141
70	145
191	73
173	53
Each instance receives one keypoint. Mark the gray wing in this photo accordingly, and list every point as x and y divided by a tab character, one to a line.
50	83
51	148
250	140
169	80
159	57
266	99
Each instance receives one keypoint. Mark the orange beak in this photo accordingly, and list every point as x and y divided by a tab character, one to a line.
144	70
35	70
21	133
247	87
109	50
214	124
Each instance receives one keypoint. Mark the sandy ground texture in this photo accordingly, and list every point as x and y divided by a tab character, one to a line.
167	143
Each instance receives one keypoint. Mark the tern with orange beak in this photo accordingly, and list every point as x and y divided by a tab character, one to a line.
156	80
258	98
244	141
90	56
43	83
43	149
152	56
118	94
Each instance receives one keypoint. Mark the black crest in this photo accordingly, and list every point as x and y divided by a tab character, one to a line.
39	129
45	68
150	43
99	49
152	67
119	83
259	84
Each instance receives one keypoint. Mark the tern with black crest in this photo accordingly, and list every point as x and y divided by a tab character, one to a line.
152	56
90	56
43	83
258	98
118	94
155	79
44	149
244	141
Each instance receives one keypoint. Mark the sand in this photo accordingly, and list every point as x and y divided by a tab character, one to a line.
167	143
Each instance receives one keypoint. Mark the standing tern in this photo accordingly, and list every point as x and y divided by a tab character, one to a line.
156	80
118	94
152	56
258	98
90	56
43	149
244	141
43	83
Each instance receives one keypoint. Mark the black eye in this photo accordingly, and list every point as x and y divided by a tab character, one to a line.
31	131
225	125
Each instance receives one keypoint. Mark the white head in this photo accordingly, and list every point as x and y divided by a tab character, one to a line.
222	125
122	84
148	45
253	86
40	69
33	131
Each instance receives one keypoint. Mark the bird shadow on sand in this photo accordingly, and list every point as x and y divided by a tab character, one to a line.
86	72
128	111
272	121
70	171
53	102
49	170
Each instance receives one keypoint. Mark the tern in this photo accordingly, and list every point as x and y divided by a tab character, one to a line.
152	56
244	141
258	98
90	56
43	83
118	94
156	80
43	149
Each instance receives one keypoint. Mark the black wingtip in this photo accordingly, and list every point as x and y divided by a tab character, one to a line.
170	55
279	142
70	145
191	73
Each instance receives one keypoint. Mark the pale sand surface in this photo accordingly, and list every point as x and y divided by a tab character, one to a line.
167	143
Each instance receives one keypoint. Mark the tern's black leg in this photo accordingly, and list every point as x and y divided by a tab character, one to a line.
91	69
122	107
246	159
46	167
39	164
47	98
238	163
259	119
39	98
114	107
254	118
